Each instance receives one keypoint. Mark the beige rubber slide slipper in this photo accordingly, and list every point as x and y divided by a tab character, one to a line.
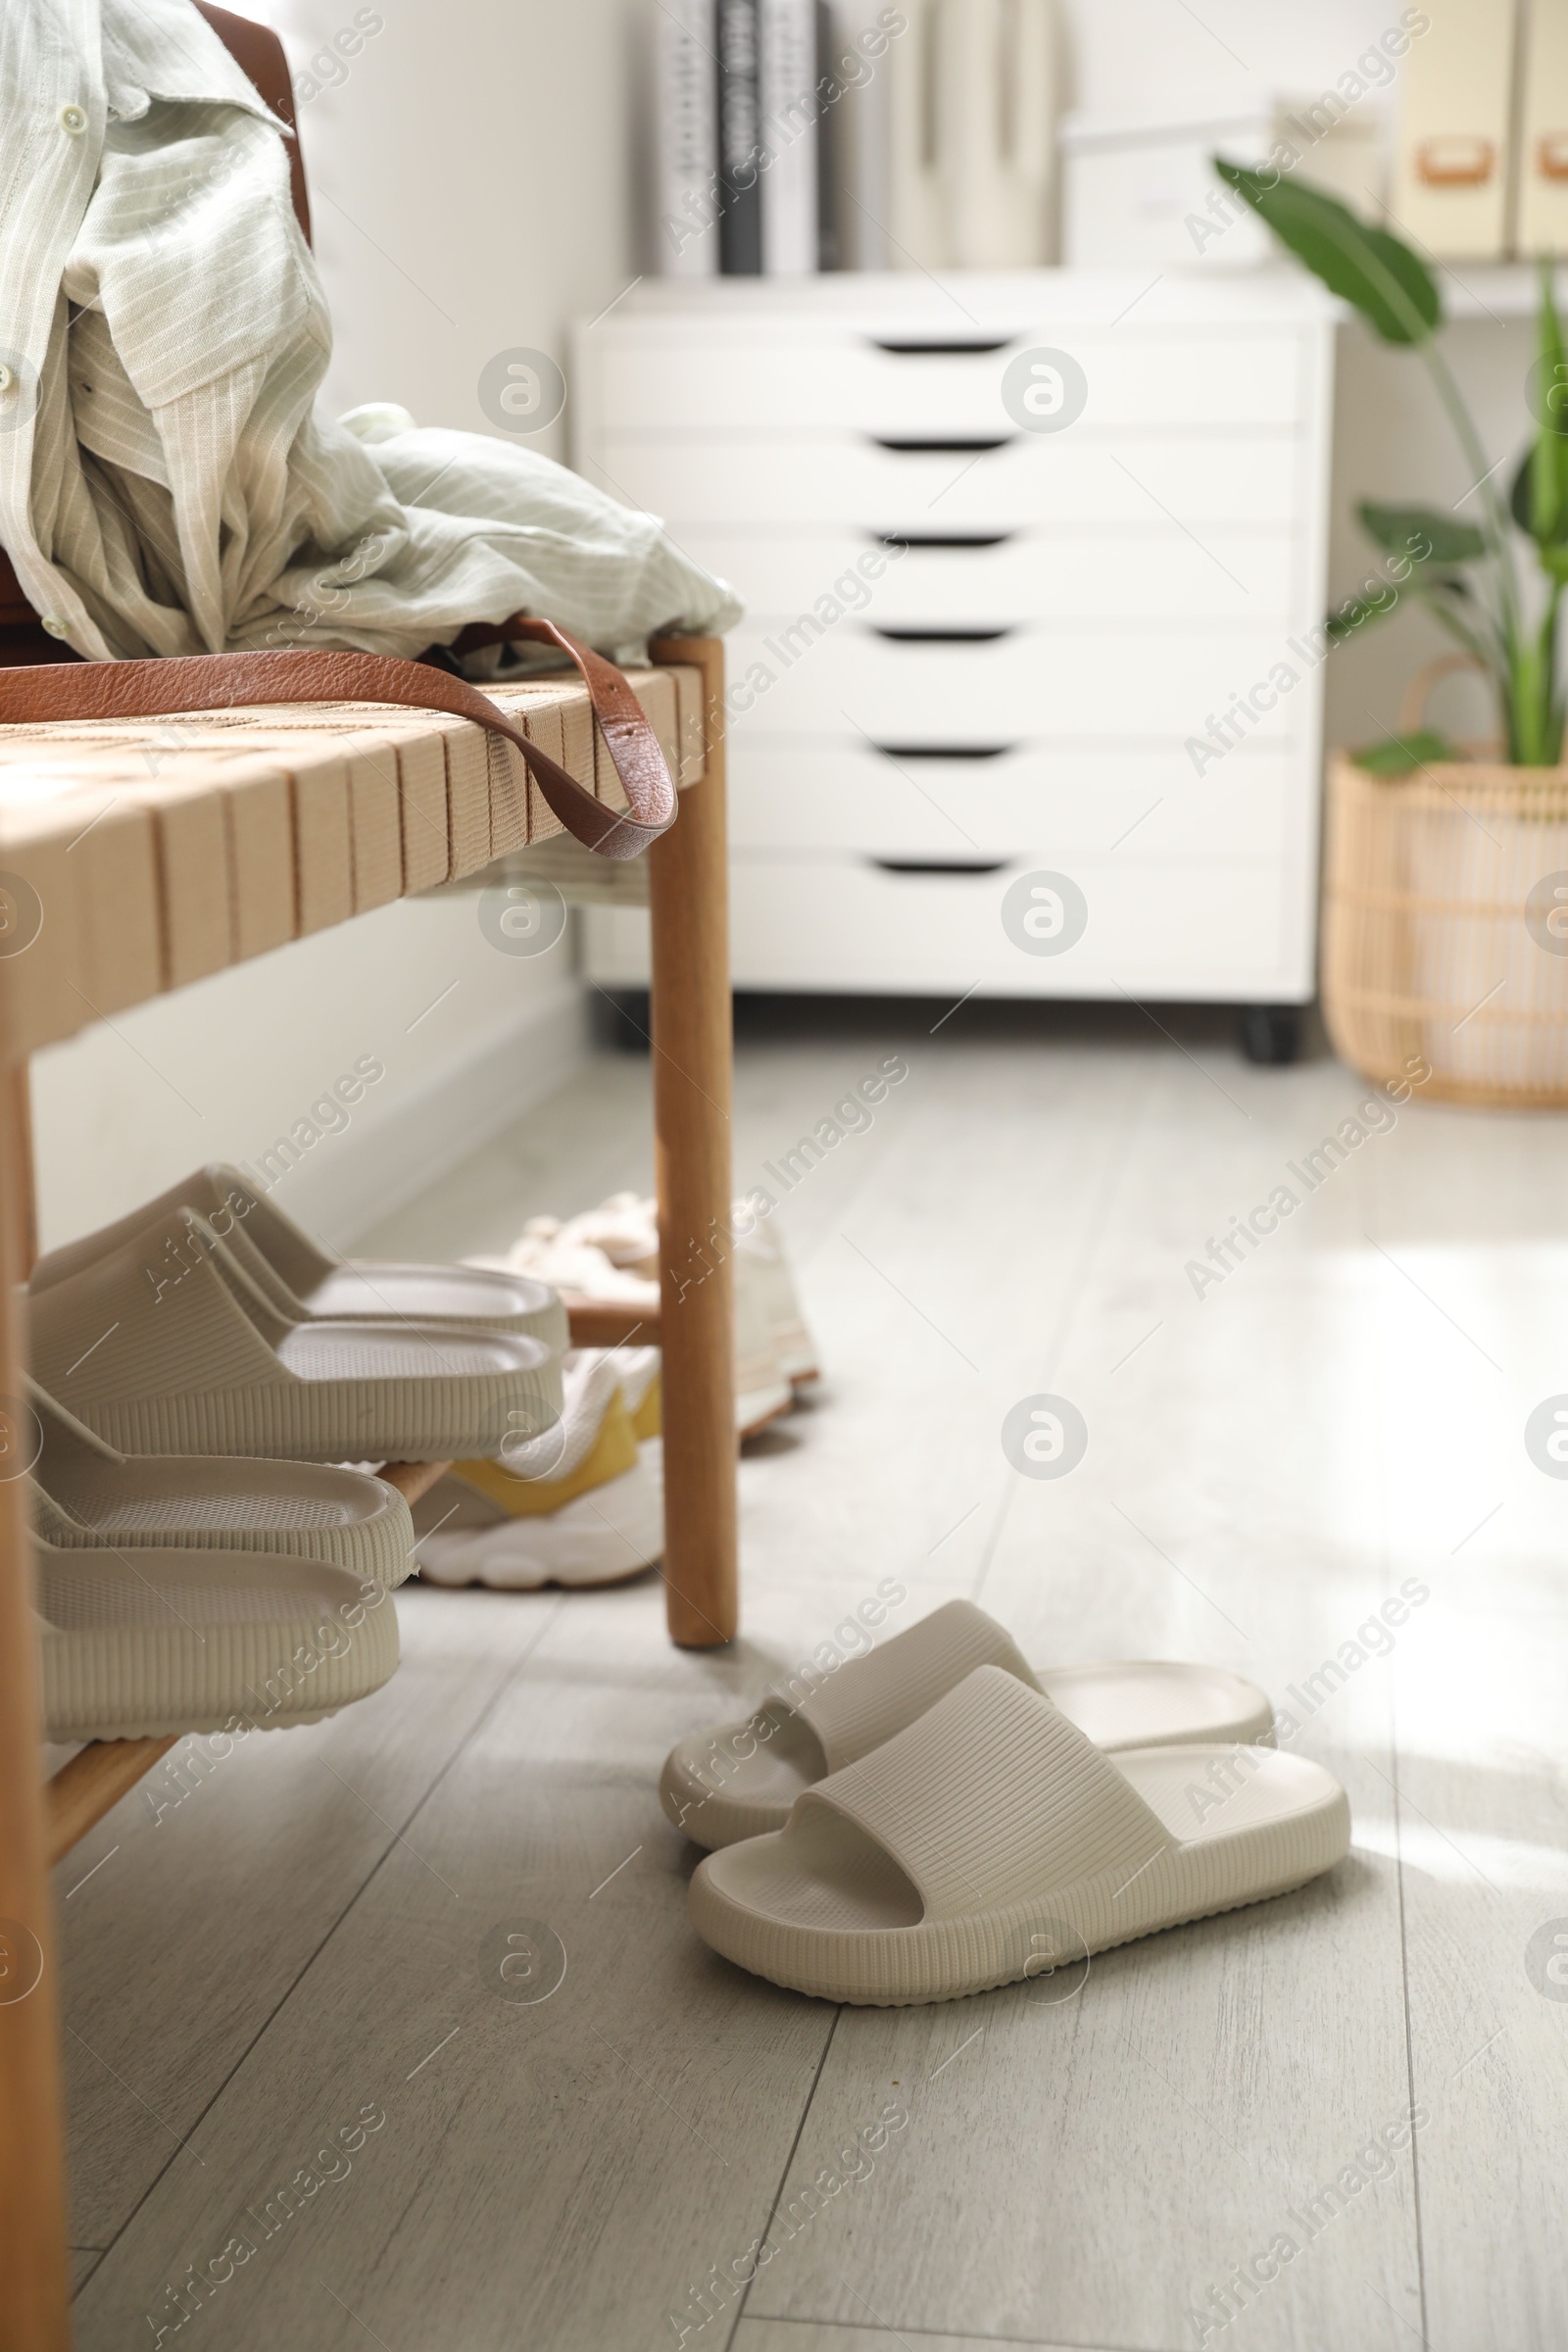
992	1841
137	1645
741	1780
302	1280
203	1364
87	1493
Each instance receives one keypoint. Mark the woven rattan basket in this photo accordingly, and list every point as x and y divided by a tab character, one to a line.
1446	928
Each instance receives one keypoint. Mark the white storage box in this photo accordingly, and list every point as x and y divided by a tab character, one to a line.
1457	101
1146	195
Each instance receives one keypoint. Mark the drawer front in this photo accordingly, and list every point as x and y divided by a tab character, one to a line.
1203	931
758	379
1259	804
1235	935
1014	575
856	483
1034	684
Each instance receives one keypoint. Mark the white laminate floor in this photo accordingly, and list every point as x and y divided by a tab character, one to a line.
284	2039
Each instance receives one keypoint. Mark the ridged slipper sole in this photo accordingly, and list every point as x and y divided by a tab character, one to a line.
366	1415
991	1842
153	1643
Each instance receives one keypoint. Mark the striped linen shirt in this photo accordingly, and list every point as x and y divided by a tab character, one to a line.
166	483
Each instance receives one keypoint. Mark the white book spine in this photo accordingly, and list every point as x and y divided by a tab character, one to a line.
865	66
686	142
790	106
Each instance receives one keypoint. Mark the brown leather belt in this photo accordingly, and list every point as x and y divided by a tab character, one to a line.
158	688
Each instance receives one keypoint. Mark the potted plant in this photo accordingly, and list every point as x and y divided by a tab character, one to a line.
1445	911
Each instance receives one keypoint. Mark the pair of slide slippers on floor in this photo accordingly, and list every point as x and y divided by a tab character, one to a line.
937	1819
207	1322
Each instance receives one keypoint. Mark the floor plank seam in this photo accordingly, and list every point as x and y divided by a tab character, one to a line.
783	2179
310	1959
1409	2035
965	2335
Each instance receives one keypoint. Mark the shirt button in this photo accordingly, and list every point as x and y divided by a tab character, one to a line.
56	628
8	377
74	119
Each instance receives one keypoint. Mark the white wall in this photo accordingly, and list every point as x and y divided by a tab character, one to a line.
222	1070
470	185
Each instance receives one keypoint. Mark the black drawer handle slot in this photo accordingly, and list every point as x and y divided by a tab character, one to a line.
943	751
898	635
946	444
897	347
941	865
908	541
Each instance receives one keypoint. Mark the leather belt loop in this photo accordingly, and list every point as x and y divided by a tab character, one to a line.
623	721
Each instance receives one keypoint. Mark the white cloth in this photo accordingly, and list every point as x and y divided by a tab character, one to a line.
165	484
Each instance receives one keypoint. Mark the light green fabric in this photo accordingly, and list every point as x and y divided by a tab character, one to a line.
165	484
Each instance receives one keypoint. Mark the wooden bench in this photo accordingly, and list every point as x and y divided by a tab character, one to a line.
138	857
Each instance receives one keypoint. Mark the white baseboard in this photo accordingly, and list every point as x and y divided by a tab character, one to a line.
387	1158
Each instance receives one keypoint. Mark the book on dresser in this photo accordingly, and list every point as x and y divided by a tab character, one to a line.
738	51
1027	698
745	163
685	136
789	133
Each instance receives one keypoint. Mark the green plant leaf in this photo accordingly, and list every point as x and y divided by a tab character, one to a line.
1538	497
1522	497
1389	285
1422	533
1402	754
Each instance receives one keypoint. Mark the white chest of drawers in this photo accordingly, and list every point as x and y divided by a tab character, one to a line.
1062	666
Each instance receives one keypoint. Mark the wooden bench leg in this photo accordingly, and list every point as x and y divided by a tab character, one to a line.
33	2274
690	999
